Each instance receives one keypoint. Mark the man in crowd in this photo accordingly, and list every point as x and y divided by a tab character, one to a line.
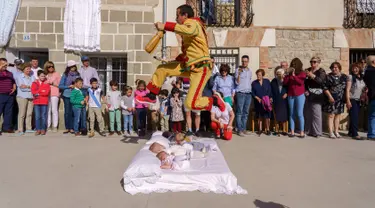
87	73
284	65
369	78
243	76
35	67
16	69
7	89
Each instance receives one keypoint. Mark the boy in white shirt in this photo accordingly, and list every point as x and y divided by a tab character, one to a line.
95	95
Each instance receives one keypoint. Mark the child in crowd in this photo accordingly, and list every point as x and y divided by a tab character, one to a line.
95	95
164	113
77	99
40	90
113	103
141	108
128	109
155	114
177	113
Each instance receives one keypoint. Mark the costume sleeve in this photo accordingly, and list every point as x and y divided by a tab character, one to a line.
189	28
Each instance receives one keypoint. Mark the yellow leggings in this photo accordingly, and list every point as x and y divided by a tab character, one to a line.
198	79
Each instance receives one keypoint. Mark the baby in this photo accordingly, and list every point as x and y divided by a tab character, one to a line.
156	148
192	146
171	162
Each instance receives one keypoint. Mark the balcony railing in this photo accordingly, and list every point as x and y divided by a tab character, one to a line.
224	13
359	14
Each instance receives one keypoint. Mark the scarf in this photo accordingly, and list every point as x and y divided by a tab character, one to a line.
72	76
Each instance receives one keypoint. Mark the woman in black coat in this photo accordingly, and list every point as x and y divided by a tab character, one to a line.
280	103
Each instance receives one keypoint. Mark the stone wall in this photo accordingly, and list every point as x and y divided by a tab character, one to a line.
304	44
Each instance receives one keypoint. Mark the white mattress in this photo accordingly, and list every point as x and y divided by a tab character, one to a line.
210	174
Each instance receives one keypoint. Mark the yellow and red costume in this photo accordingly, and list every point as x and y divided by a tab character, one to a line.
194	62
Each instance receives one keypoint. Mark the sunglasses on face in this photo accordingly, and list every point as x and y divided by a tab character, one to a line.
51	67
313	62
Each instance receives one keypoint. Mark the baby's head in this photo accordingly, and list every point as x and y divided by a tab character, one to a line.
162	156
156	147
179	137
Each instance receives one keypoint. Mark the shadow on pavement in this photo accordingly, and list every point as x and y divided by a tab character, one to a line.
262	204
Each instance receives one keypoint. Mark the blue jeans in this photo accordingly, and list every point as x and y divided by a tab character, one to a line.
83	123
296	104
68	113
40	112
128	123
6	108
78	115
243	102
371	120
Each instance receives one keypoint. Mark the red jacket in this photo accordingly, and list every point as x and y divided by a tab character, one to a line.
295	84
42	91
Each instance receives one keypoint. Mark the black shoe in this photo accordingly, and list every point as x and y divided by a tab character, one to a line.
291	135
198	134
84	132
268	133
189	133
221	133
302	137
102	134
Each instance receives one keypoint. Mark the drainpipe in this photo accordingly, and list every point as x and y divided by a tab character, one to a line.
164	43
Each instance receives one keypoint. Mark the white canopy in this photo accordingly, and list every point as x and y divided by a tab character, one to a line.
8	12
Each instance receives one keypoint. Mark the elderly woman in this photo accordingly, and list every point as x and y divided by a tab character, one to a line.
335	89
280	103
354	89
261	90
25	99
67	85
295	81
222	119
53	78
224	83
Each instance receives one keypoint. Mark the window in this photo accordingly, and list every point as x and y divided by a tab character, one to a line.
359	14
110	68
225	56
224	13
356	54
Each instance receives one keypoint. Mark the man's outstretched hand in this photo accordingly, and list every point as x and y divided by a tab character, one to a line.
159	26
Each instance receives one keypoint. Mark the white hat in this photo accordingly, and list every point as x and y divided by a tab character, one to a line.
71	63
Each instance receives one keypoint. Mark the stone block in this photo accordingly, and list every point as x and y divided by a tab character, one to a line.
117	16
104	15
60	67
134	2
46	27
109	28
134	42
147	68
20	26
148	17
106	42
59	27
240	37
126	28
72	56
145	78
60	41
131	56
37	13
22	15
142	56
134	16
130	80
359	38
129	69
32	27
145	28
24	44
344	54
120	42
57	56
46	41
53	13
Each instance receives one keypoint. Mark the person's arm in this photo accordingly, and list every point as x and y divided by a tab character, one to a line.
326	88
189	28
231	118
237	76
74	98
20	83
233	88
62	85
56	81
34	88
122	105
214	88
213	118
300	78
347	91
321	78
45	92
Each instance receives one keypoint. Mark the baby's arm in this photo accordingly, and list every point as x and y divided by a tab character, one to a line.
166	166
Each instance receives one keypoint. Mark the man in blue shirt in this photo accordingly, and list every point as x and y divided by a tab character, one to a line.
242	77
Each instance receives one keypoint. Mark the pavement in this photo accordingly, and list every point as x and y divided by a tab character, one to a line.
57	171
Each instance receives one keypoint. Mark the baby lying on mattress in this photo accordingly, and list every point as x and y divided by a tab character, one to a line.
177	156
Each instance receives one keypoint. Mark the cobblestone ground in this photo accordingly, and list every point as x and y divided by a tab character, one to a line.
62	171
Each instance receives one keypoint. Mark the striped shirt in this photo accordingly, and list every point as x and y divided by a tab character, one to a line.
6	82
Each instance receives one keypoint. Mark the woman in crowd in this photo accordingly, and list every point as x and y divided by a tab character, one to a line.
314	83
25	99
53	78
67	85
335	89
296	97
224	83
280	103
222	121
354	89
261	90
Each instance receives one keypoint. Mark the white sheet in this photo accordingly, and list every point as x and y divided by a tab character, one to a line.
210	174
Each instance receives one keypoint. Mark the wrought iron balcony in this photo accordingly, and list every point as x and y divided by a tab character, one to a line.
359	14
